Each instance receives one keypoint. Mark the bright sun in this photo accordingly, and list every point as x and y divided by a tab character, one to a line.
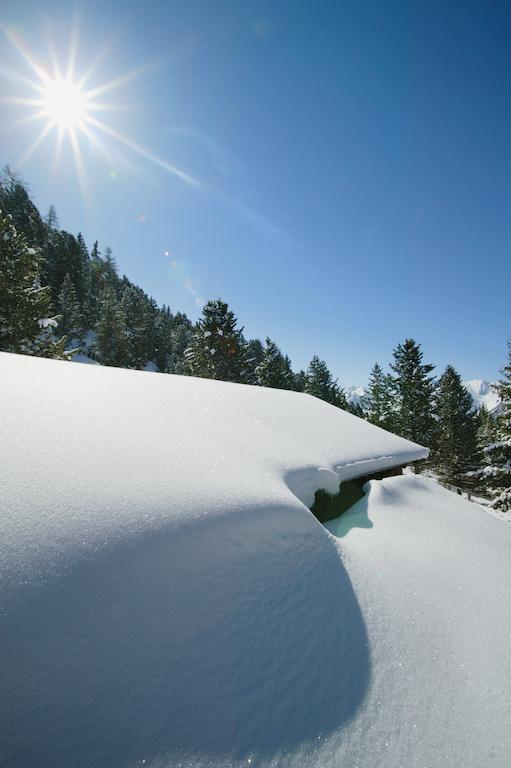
67	106
64	104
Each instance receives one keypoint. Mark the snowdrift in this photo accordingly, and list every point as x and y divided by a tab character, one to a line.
167	598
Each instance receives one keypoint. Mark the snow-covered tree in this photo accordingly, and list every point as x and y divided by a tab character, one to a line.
274	370
456	453
217	349
319	382
496	473
379	403
414	390
26	324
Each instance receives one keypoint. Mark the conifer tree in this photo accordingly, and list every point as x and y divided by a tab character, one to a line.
51	219
456	454
138	317
71	320
379	404
25	322
254	356
274	370
299	381
217	350
414	389
319	382
496	473
110	330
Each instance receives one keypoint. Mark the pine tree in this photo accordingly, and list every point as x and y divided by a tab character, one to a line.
110	331
217	350
496	473
51	219
15	200
456	454
414	389
254	356
140	327
379	404
274	370
299	381
71	321
319	382
25	322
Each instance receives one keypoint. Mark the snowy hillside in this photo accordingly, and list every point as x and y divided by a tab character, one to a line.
169	600
482	393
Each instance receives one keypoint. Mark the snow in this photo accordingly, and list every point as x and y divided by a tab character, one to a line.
483	393
167	597
47	322
480	390
430	571
355	395
78	357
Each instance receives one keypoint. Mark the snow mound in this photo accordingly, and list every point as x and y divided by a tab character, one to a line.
483	393
168	600
431	574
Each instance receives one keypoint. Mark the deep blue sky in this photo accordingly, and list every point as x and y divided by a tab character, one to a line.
353	160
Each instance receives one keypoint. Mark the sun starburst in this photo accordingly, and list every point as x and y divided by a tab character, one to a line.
68	107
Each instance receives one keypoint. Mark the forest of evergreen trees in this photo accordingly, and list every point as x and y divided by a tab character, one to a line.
57	297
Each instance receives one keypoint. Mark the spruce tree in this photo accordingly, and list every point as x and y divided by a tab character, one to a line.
299	381
274	370
319	383
140	328
217	349
456	453
414	390
379	404
26	324
111	345
496	473
71	321
254	356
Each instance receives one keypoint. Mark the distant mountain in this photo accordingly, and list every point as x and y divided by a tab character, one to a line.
482	393
480	390
355	394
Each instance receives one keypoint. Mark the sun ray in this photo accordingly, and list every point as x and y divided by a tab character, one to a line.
73	50
18	42
68	107
24	121
9	73
143	152
80	168
35	144
20	100
55	163
118	82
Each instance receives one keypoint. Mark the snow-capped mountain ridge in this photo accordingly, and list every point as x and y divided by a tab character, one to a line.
481	391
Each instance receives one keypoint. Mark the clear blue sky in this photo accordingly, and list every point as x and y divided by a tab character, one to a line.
352	160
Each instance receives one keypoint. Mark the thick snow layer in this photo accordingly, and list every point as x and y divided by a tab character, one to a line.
168	600
431	574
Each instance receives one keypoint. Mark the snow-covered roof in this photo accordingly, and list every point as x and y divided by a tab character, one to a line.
167	599
93	454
